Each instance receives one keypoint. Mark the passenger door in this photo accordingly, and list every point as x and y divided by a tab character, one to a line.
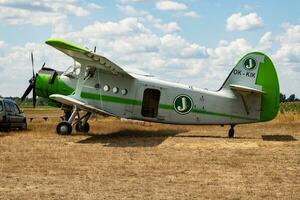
18	115
150	103
150	97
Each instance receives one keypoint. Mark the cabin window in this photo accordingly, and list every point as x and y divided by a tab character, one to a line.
106	88
124	91
115	90
150	103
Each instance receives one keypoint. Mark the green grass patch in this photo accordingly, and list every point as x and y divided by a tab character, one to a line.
290	107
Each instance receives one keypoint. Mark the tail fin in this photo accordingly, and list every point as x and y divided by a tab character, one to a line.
255	73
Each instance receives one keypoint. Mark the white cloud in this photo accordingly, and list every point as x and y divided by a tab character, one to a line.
191	14
69	7
238	22
170	5
176	46
131	1
168	28
289	50
41	12
155	22
2	44
94	6
247	7
266	41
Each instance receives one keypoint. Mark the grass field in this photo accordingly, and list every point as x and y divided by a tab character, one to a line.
124	160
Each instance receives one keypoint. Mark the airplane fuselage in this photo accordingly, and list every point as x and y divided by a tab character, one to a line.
149	99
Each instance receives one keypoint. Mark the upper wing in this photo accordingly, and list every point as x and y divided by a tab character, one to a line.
68	100
84	55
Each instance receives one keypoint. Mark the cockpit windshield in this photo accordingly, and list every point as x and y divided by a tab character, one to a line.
73	71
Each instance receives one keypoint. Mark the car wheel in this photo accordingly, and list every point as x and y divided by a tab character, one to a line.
23	127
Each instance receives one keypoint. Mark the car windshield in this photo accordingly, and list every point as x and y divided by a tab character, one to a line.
1	106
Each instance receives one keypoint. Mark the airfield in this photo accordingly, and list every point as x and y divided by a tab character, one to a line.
126	160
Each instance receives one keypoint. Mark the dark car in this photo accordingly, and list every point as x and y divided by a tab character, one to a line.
11	116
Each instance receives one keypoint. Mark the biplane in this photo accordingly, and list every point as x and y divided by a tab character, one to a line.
95	84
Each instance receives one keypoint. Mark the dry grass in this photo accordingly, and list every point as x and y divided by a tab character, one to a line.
123	160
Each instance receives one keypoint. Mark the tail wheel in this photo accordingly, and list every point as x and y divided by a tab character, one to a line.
64	128
84	128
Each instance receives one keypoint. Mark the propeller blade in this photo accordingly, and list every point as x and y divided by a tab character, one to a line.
32	64
33	96
27	91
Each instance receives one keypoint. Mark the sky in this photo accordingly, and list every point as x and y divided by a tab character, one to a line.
195	42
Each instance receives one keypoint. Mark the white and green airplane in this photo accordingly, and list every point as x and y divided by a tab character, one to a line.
94	84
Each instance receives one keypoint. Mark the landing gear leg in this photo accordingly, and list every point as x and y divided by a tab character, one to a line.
82	125
65	127
67	112
231	131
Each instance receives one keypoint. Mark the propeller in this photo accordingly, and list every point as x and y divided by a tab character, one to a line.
32	82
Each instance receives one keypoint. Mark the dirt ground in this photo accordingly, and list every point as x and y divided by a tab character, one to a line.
125	160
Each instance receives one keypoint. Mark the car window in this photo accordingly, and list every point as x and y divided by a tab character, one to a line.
12	107
1	106
17	109
7	107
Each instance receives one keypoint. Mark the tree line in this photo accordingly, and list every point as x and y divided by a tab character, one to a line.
291	98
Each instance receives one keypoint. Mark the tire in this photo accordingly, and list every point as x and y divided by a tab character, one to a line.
23	127
64	128
85	128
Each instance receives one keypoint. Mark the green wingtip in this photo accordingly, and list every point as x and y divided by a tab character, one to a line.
64	44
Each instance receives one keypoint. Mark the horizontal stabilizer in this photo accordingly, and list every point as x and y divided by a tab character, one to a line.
245	89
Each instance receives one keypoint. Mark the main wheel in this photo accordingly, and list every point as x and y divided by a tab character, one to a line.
84	128
64	128
231	133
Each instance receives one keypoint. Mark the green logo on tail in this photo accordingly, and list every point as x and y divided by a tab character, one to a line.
249	64
183	104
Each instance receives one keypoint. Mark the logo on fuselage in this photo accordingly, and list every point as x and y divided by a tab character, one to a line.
183	104
249	64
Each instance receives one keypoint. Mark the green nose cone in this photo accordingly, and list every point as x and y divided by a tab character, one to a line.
44	88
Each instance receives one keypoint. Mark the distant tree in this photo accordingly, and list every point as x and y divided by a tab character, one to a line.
291	98
282	97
